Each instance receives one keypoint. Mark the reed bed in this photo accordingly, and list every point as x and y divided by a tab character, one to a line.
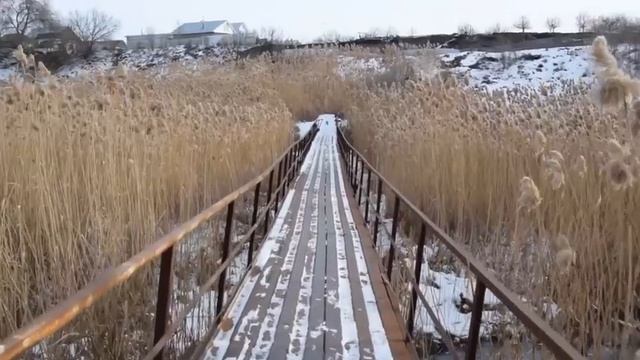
539	183
93	170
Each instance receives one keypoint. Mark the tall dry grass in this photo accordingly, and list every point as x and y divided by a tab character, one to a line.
542	188
93	170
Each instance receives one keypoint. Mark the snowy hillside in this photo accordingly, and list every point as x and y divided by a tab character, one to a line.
522	68
132	59
532	68
478	69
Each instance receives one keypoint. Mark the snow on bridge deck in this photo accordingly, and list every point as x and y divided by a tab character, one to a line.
315	290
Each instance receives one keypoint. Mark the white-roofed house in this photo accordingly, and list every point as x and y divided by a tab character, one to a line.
204	33
201	33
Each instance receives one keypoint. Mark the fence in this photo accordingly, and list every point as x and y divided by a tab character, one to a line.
167	319
356	166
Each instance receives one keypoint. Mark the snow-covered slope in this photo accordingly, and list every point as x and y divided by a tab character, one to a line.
105	61
147	59
522	68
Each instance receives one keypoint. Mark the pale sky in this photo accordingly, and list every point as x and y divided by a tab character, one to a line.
307	19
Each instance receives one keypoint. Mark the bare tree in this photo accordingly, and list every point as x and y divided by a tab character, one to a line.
374	32
612	24
582	21
413	31
496	28
523	24
466	29
21	16
391	31
552	24
329	36
271	34
93	26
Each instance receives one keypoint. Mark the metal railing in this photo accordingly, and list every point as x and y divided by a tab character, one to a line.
356	165
279	177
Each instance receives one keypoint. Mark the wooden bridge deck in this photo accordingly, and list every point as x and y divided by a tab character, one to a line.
315	290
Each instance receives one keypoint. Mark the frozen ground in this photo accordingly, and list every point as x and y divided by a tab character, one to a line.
6	74
478	69
304	127
497	70
158	59
522	68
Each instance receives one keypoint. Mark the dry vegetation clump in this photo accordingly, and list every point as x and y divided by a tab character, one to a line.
91	171
542	187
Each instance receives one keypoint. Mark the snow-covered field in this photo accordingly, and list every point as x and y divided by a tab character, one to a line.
158	59
478	69
531	68
498	70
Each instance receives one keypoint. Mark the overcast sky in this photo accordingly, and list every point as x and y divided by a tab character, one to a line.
306	19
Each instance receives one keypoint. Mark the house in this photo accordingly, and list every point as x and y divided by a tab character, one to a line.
202	33
217	27
63	40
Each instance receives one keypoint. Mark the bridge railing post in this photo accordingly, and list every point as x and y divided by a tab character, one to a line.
350	163
225	253
292	162
366	206
376	222
354	179
298	158
285	176
254	218
163	303
417	273
361	181
476	318
269	195
394	234
277	189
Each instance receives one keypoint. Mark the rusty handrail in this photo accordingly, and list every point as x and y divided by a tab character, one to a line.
552	339
63	313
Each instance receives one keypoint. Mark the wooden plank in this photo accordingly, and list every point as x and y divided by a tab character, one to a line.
389	311
247	326
312	277
296	303
358	303
333	333
316	336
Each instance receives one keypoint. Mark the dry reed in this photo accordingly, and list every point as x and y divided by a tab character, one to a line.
93	170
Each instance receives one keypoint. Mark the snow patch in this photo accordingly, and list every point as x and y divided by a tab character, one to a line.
529	68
